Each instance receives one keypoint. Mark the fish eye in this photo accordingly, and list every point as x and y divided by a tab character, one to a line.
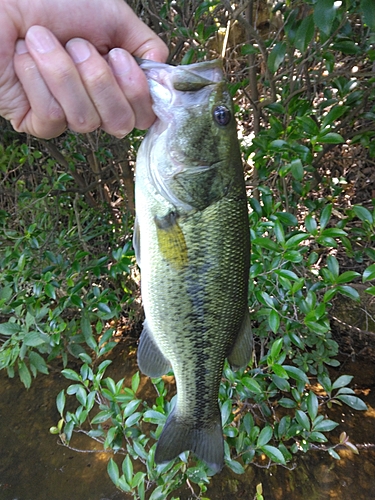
222	115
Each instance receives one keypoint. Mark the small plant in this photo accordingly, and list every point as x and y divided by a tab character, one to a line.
52	291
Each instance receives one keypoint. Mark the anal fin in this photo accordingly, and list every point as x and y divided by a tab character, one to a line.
151	360
242	350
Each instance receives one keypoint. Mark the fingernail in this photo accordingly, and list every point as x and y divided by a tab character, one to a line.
79	50
120	61
21	47
40	39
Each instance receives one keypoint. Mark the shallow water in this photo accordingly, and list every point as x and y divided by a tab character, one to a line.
33	466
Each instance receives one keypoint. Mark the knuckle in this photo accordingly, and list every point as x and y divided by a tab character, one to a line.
120	127
64	73
84	125
98	80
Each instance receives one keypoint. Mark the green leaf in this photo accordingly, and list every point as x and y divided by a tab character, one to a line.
349	291
324	14
310	224
295	240
50	291
71	374
296	374
24	374
131	407
102	416
334	114
266	299
226	410
280	382
154	417
133	419
286	218
6	292
247	49
326	241
286	273
325	425
287	403
368	275
363	214
87	332
9	328
127	469
334	454
304	34
325	215
296	169
264	436
274	454
303	420
274	320
309	126
251	384
347	276
353	402
158	494
60	402
331	138
235	466
276	348
135	382
318	437
76	301
113	471
38	362
367	8
280	372
279	231
333	232
266	243
312	405
342	381
276	56
33	339
293	256
296	340
346	47
333	265
123	484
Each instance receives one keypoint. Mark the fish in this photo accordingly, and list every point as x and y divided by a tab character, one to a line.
192	244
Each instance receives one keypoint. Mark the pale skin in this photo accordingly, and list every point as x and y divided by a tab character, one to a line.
68	64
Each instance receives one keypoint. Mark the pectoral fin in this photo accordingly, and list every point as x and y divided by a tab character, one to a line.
242	350
171	240
150	359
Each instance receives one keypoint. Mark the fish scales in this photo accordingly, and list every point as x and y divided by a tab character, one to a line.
192	244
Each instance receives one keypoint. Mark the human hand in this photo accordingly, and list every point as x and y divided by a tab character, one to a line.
68	63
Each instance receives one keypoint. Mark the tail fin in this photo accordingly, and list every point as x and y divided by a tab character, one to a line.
180	435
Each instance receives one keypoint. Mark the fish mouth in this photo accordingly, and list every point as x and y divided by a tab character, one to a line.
185	78
168	82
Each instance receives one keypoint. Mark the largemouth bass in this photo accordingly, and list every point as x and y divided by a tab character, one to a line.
192	244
